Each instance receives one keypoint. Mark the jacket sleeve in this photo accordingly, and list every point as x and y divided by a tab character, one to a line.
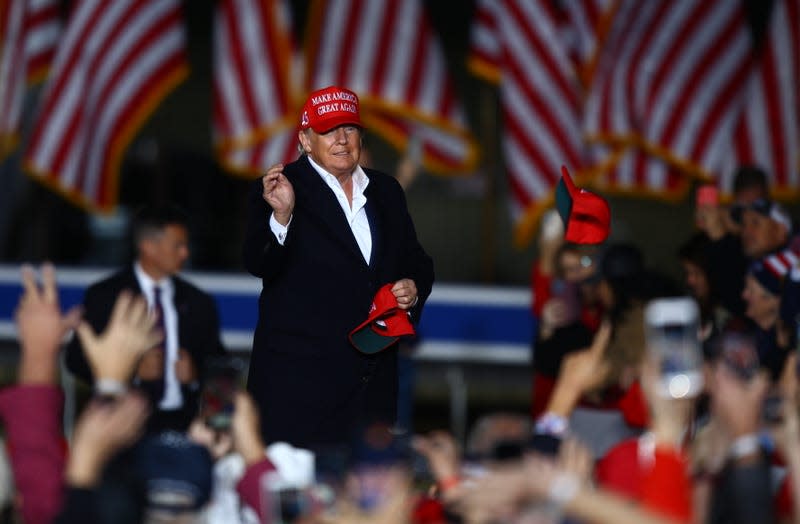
32	418
418	264
262	253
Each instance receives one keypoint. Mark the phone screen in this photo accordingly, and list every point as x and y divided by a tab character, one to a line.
673	341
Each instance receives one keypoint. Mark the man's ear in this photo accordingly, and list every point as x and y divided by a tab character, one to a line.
303	138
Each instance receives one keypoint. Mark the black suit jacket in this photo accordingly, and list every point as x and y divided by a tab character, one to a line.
198	320
312	386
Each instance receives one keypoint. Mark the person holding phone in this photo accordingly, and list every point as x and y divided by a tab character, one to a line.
323	235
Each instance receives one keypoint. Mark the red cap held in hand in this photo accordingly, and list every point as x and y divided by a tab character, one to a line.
385	324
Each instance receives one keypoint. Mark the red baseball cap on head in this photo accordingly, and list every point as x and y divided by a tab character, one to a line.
385	324
586	215
330	107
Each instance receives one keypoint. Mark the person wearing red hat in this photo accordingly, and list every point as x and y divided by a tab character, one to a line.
324	235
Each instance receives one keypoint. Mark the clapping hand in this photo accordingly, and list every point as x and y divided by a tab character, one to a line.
130	333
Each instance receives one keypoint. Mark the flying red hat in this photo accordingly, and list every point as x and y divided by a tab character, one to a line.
585	214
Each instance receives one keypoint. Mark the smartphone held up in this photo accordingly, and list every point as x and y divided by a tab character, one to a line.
673	342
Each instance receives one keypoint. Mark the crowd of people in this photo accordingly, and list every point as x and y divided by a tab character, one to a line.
313	437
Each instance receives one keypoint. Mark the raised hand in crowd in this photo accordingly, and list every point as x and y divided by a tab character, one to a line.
669	417
550	481
580	372
443	454
742	490
245	429
737	404
713	220
218	443
113	354
41	327
105	427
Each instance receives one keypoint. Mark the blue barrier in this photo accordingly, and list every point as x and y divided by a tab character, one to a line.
460	323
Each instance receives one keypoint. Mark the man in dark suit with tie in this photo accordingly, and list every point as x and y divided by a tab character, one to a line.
169	373
324	234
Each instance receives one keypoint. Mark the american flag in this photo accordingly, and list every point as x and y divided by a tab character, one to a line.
519	45
116	62
388	54
29	32
768	130
668	83
255	107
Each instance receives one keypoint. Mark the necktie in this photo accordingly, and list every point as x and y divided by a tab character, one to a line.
159	311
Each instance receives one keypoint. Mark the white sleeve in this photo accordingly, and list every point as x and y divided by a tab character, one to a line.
279	229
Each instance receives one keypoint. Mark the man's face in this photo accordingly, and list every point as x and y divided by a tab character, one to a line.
760	234
748	195
761	304
337	151
576	267
165	253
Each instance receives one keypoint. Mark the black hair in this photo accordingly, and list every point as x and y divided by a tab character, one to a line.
623	268
153	219
749	176
695	251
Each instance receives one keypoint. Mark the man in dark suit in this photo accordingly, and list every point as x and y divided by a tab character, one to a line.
324	234
169	373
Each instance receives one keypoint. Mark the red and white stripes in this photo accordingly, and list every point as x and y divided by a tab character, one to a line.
517	44
669	83
254	110
388	53
768	130
29	32
116	61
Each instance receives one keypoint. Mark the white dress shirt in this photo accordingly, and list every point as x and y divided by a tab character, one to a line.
356	215
172	399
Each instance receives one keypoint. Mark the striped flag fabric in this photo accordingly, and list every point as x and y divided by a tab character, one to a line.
116	62
255	91
29	32
519	46
388	53
767	133
669	83
42	32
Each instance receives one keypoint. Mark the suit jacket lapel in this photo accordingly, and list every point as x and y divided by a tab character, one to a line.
320	202
375	225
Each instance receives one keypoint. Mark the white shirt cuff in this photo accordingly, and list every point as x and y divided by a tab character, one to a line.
278	229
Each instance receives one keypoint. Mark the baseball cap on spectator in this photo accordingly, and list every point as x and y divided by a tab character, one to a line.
385	324
770	280
330	107
376	444
176	472
764	207
586	215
